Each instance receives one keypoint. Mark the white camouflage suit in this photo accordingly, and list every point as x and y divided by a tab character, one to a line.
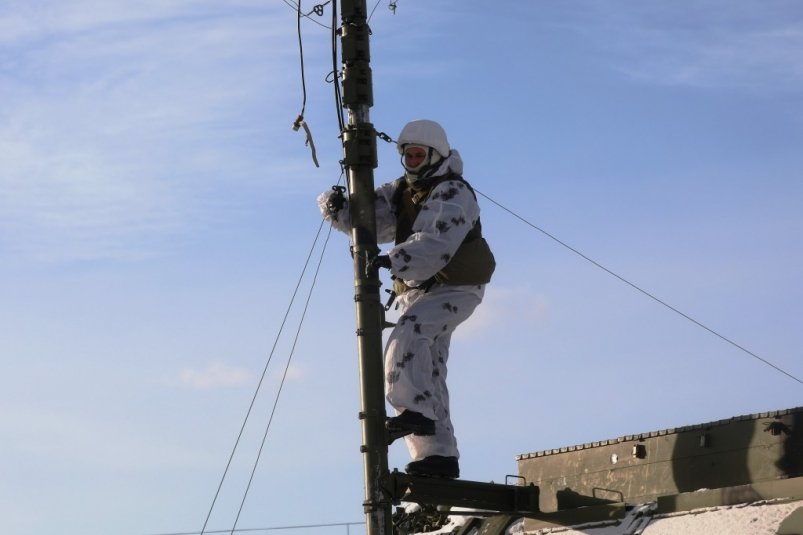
417	350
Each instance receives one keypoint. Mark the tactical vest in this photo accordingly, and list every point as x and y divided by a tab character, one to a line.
472	263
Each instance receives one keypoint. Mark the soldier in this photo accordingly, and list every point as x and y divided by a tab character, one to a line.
440	264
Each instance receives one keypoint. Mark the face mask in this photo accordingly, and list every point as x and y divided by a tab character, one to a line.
417	176
415	157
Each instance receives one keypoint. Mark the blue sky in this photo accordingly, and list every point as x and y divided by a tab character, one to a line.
156	210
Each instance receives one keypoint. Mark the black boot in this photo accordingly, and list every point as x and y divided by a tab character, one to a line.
409	422
435	466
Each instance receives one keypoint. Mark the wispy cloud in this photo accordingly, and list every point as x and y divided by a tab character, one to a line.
757	60
713	44
507	309
215	375
220	375
113	131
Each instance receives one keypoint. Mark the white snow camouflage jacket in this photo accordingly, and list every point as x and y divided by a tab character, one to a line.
435	238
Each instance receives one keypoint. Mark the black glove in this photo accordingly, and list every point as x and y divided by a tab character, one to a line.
336	200
381	261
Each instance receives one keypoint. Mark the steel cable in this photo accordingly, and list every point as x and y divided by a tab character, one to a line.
643	291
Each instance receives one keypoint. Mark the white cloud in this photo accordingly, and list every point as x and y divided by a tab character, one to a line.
220	375
713	44
34	20
739	59
113	133
507	309
215	375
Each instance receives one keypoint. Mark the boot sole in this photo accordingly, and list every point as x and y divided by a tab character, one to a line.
393	435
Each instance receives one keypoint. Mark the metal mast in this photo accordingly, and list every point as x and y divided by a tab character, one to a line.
383	489
359	146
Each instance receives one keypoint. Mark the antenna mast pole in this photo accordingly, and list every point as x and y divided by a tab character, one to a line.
359	146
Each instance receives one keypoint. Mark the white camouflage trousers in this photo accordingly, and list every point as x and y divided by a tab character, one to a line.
415	360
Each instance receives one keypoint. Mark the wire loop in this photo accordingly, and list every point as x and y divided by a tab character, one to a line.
318	9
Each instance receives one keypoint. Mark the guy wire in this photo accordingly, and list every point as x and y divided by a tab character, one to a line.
262	377
645	292
286	368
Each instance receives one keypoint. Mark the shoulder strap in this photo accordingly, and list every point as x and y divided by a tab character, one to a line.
401	185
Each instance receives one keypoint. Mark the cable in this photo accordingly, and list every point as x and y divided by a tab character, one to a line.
287	366
265	370
273	528
300	122
372	11
301	55
335	77
259	384
318	10
651	296
296	7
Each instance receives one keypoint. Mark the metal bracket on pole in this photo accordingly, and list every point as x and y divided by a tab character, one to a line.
355	43
359	142
357	85
356	54
505	499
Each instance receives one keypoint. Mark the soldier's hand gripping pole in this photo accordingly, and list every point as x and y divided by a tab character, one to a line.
336	201
379	261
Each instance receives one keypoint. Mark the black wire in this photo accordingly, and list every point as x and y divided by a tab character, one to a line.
301	55
645	292
261	380
295	7
284	320
372	11
336	78
287	366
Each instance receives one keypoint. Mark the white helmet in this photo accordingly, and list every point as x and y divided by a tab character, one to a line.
424	132
431	136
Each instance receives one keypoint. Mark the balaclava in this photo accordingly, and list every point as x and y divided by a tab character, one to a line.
430	136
